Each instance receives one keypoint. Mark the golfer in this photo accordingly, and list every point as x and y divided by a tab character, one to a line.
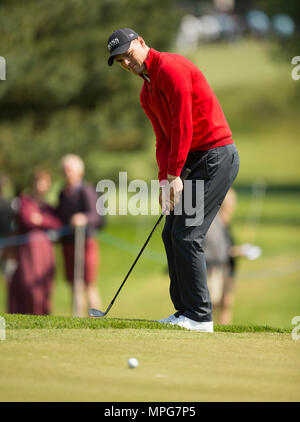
190	127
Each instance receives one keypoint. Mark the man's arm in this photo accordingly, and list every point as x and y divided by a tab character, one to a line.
32	217
176	84
162	144
167	197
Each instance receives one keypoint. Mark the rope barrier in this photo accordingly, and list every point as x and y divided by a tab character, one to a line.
117	242
22	239
56	235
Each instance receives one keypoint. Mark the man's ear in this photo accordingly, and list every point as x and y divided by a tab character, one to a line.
141	41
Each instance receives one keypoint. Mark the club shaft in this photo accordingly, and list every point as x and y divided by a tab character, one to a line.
136	259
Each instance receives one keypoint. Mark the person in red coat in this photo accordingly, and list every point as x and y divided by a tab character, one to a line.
31	284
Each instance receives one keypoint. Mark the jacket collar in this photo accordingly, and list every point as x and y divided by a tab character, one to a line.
151	61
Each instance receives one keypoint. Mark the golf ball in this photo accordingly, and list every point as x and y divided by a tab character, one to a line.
133	363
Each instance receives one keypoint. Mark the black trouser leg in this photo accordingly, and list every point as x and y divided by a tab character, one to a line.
167	239
183	243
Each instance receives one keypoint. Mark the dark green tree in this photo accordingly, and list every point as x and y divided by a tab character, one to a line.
59	95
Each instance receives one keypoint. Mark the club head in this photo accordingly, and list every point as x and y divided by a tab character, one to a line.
95	313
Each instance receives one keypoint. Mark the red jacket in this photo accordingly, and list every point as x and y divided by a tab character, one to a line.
184	111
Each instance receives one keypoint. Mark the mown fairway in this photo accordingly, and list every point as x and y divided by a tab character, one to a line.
88	364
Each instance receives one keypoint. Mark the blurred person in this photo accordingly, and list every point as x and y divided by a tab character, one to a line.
29	290
191	131
221	258
6	212
77	207
7	261
221	265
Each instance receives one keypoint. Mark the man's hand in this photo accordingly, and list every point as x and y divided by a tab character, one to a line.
170	193
78	219
176	188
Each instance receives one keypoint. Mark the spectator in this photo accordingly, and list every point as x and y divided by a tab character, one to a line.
221	258
6	227
220	264
31	284
6	212
7	260
77	207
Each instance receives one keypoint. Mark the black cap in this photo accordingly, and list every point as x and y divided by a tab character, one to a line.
119	42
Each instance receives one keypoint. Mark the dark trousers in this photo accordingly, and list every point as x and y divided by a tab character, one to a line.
183	242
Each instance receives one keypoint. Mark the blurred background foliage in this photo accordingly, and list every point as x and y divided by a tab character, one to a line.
60	95
286	47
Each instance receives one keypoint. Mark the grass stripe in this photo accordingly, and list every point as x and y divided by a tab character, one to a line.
18	321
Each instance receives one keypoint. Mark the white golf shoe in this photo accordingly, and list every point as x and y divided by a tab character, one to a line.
169	320
190	324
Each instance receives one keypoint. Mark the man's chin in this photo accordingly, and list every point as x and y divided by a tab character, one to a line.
136	72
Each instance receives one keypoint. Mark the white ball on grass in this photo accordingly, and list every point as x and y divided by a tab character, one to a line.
133	363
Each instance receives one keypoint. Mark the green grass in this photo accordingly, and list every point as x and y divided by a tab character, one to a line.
21	322
86	364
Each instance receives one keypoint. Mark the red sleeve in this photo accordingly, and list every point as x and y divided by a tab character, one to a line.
162	144
50	219
28	207
176	84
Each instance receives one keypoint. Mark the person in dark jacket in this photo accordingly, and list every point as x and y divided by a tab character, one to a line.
190	128
77	207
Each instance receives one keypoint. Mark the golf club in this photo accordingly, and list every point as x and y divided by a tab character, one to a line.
96	313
